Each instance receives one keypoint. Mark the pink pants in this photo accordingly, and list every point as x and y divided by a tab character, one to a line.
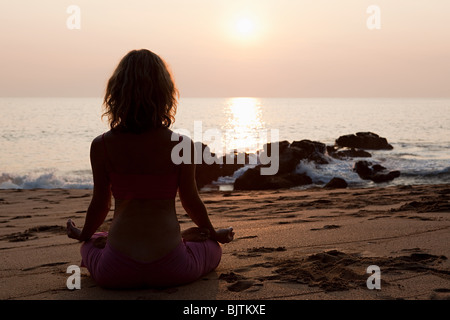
186	263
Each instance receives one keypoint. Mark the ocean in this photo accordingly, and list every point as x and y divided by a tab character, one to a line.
44	142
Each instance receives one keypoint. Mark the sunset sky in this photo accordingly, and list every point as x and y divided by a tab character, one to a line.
217	48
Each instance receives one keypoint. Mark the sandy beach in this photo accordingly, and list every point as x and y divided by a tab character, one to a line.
290	245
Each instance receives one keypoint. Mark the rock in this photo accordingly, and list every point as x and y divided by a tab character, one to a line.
309	146
364	140
336	183
289	157
363	169
236	163
376	173
310	150
377	168
205	173
250	179
288	160
253	180
347	153
385	177
298	179
282	145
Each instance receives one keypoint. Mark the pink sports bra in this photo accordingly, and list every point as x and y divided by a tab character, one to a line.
142	186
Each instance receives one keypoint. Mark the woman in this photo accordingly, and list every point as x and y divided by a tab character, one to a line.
132	162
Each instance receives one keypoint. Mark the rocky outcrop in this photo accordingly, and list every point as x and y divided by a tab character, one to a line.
336	183
364	140
347	153
253	180
310	151
206	173
375	172
291	155
237	161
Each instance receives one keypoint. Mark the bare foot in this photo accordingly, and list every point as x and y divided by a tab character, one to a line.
72	231
195	234
224	235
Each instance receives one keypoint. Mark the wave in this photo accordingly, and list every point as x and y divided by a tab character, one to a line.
320	175
443	174
47	180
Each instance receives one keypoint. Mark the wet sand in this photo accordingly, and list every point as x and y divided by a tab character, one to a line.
289	245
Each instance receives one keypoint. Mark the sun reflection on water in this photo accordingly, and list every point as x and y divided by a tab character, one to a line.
244	124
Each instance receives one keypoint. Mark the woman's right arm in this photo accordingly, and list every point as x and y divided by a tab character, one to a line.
101	199
194	206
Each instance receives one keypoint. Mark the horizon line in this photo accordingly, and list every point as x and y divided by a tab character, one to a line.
239	96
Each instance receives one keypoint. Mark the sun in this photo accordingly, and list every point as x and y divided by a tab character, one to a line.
245	29
245	26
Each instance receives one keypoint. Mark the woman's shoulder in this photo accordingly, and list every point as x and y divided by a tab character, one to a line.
101	138
98	139
176	136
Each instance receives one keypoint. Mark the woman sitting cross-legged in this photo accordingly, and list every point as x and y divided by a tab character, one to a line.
132	162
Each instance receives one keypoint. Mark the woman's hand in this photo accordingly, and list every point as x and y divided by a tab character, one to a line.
72	231
224	235
195	234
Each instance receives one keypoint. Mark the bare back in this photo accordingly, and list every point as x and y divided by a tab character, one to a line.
144	229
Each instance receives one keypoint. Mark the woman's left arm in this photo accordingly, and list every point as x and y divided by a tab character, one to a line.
101	199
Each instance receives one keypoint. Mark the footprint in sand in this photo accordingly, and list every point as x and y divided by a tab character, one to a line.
257	252
86	195
241	285
239	282
46	265
326	227
440	294
15	218
231	277
30	234
246	237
